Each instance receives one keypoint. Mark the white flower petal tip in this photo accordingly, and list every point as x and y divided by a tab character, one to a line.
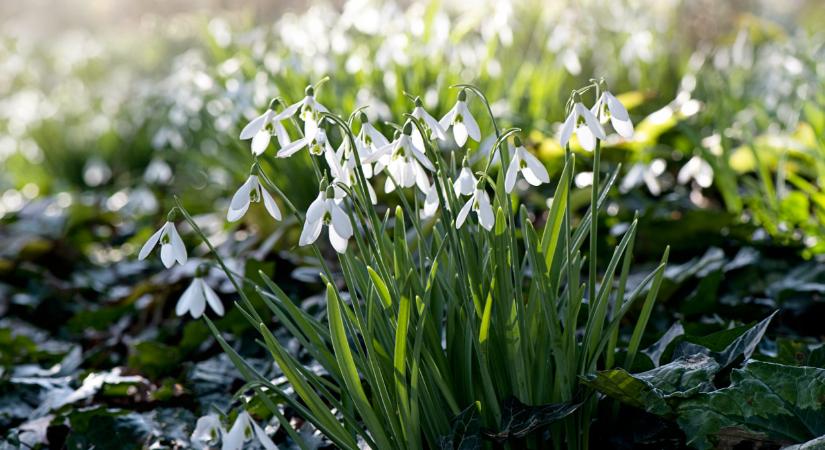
480	204
528	166
462	122
584	123
326	211
172	249
251	191
195	298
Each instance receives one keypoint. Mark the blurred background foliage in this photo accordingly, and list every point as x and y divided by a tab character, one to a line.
108	109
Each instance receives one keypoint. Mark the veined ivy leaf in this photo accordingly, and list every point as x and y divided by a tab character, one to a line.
785	403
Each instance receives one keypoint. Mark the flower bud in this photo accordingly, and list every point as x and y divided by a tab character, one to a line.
462	95
408	128
517	141
363	117
309	91
273	103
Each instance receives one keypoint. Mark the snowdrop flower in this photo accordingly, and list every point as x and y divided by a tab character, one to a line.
480	203
251	191
404	162
197	295
242	430
528	165
208	431
466	182
369	139
310	112
462	121
644	173
431	202
698	170
343	172
316	144
325	210
586	125
260	130
430	123
171	245
619	117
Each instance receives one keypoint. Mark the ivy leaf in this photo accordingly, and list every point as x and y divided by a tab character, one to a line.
782	402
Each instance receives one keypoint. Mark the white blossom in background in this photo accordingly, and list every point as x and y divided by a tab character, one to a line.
585	124
619	117
465	183
644	173
461	121
260	130
325	210
527	165
698	170
208	432
195	298
480	203
171	246
404	162
251	191
242	431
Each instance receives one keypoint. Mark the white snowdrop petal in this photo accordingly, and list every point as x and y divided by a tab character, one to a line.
448	118
460	133
185	301
291	148
421	179
586	138
435	127
567	128
422	158
535	167
235	438
317	208
465	183
208	431
254	126
178	249
338	242
485	211
470	123
282	134
616	107
591	121
270	205
197	304
260	142
150	244
623	127
240	201
167	256
310	128
288	112
310	232
212	299
462	214
512	174
340	220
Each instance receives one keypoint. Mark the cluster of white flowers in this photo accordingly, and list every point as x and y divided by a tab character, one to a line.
209	431
403	160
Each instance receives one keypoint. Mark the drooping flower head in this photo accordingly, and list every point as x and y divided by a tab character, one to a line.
404	162
171	245
586	126
461	121
195	298
326	210
527	165
249	192
617	113
261	128
466	182
310	112
480	204
431	124
242	431
208	432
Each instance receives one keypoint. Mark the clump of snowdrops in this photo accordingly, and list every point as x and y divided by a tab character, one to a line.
446	310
